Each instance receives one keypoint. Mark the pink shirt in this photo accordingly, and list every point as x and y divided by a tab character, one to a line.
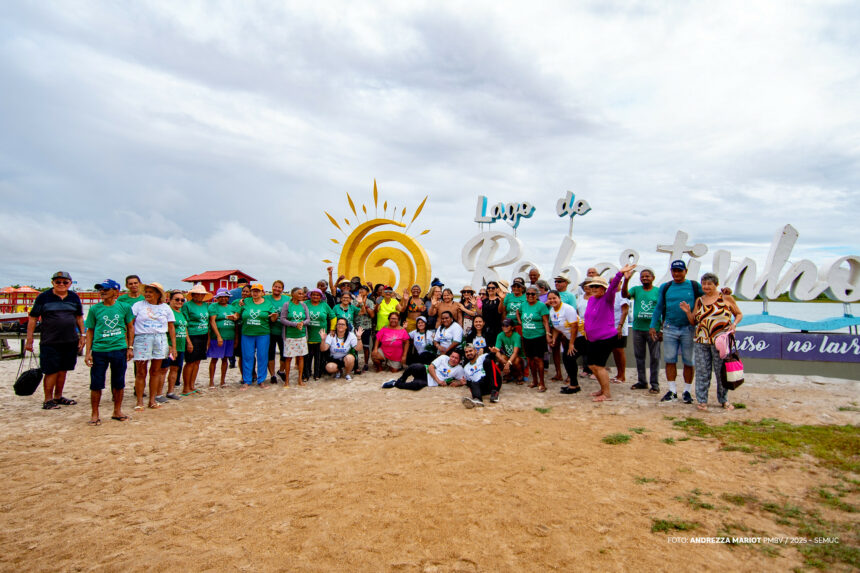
392	342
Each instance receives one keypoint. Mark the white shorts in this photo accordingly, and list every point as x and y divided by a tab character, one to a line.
150	347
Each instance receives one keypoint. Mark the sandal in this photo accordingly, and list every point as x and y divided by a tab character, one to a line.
702	407
541	388
728	406
94	423
138	408
154	406
50	405
63	401
122	418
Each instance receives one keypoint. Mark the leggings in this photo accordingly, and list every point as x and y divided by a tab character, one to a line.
419	375
568	360
314	356
581	347
491	381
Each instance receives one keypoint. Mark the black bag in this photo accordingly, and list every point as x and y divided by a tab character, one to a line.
27	382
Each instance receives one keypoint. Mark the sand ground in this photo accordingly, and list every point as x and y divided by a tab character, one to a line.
346	476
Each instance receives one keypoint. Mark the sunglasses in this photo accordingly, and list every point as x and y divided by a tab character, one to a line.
467	292
491	288
531	294
179	300
62	282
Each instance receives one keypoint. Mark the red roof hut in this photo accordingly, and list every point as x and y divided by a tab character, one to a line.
213	280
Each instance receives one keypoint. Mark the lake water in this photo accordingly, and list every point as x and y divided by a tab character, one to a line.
809	311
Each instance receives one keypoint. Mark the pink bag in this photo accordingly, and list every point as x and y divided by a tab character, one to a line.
732	372
723	344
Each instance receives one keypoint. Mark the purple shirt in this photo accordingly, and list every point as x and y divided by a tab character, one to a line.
600	313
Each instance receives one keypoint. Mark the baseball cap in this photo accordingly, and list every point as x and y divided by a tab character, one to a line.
678	265
519	280
507	322
107	284
258	286
61	275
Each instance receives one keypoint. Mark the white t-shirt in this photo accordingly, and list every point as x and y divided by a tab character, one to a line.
619	302
480	344
474	372
340	347
151	318
421	340
450	335
581	305
445	371
563	319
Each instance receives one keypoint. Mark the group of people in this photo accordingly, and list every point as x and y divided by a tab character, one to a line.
343	327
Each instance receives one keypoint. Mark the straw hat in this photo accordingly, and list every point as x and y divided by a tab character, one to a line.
158	287
198	289
598	281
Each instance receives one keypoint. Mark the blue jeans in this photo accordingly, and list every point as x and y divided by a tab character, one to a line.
252	345
677	339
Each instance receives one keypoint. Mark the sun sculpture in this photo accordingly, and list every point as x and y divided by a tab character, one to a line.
389	256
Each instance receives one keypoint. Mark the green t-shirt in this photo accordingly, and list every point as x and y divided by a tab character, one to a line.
226	326
532	322
197	316
567	297
180	323
321	315
348	314
255	317
109	325
277	326
125	299
644	303
296	313
507	343
513	303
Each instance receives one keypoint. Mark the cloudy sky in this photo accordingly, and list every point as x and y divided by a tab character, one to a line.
168	138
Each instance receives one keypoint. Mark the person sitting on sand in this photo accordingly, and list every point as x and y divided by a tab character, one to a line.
342	345
422	349
448	335
600	329
391	346
154	340
444	371
483	377
110	337
508	351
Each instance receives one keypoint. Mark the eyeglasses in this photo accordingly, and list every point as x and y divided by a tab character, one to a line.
62	282
179	300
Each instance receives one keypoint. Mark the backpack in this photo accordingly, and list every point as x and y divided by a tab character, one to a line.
697	292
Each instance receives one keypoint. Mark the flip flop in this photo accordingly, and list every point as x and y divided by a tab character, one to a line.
122	418
94	423
541	388
63	401
154	406
138	408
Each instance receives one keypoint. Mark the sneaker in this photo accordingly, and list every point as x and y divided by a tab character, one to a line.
389	384
669	397
273	380
570	390
639	386
282	375
336	376
468	403
173	396
161	399
347	377
687	398
494	397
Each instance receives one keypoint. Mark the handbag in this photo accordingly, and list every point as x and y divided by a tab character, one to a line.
27	381
732	371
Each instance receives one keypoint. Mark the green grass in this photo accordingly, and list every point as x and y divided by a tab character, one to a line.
670	418
738	499
543	410
694	501
641	480
740	406
670	441
616	439
672	524
637	430
849	409
835	501
837	447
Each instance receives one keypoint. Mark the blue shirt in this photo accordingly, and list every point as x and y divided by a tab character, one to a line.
235	294
671	310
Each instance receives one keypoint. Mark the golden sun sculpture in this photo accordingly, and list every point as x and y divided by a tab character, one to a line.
371	254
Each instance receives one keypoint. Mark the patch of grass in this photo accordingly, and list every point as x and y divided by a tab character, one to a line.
738	499
837	447
672	524
768	550
685	470
833	500
786	511
641	479
744	449
694	501
637	430
616	439
543	410
670	441
849	409
684	439
670	418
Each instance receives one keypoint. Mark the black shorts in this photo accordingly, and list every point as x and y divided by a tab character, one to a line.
337	362
55	358
620	342
179	361
200	342
117	361
599	350
276	341
534	347
367	338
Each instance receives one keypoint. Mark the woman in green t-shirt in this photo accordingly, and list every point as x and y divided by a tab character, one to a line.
276	337
321	315
294	318
257	314
183	341
196	312
222	331
534	320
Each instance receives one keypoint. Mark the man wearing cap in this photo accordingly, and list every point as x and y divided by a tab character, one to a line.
62	336
677	330
110	339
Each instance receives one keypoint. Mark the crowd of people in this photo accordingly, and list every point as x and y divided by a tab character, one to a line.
344	327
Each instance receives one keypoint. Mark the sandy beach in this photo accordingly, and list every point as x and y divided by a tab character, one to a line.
346	476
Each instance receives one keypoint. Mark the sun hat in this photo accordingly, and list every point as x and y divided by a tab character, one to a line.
107	284
562	277
597	281
467	288
157	286
678	265
312	291
196	289
222	292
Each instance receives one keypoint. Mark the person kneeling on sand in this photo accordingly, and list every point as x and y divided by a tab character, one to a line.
110	338
507	351
444	371
483	377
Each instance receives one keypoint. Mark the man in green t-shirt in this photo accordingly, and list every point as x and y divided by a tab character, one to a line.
508	351
645	301
134	293
110	339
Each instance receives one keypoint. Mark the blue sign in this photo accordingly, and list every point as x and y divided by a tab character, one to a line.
828	347
512	212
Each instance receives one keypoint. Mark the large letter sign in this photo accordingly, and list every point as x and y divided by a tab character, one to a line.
512	212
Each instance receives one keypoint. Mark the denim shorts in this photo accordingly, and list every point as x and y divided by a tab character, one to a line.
678	340
150	347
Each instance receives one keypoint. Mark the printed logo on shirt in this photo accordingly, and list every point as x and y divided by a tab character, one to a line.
647	308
